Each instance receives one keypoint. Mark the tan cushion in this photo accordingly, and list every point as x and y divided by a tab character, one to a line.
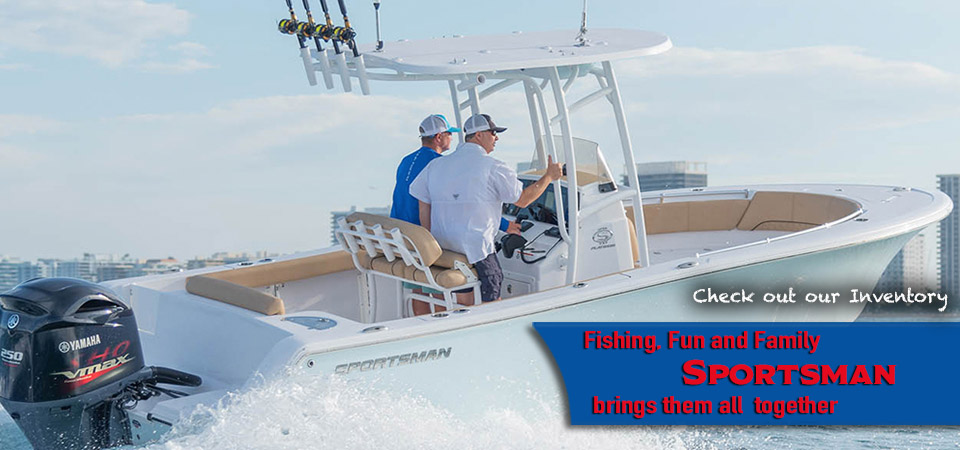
234	294
409	272
678	217
365	260
447	258
398	267
448	278
420	238
767	206
380	264
444	277
773	225
716	215
266	274
666	218
632	231
776	209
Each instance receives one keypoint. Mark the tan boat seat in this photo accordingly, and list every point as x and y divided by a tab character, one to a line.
777	211
236	286
391	248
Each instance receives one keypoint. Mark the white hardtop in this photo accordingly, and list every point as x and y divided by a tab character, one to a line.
519	50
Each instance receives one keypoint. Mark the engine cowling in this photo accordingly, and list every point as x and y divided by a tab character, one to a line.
70	360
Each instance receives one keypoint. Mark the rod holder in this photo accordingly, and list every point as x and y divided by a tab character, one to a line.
308	65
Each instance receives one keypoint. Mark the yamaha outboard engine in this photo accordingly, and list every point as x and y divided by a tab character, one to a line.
72	364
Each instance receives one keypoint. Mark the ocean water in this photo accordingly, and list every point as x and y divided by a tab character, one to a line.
298	411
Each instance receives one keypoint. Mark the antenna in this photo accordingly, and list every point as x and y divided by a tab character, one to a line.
376	8
582	40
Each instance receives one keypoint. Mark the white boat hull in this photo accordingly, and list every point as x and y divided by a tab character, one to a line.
506	365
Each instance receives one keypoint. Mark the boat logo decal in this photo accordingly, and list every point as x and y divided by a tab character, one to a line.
79	344
89	373
602	237
10	357
391	361
13	321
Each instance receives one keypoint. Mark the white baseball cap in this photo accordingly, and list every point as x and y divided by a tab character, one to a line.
435	124
481	122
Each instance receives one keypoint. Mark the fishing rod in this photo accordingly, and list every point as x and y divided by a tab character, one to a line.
294	26
330	33
347	34
310	29
328	30
315	31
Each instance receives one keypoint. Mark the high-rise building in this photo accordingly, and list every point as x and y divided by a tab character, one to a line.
198	263
13	272
950	239
336	215
85	269
9	273
107	271
658	176
907	269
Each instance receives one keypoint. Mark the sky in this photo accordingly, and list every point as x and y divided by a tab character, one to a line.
185	128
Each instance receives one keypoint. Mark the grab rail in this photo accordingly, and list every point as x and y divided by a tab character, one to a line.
824	226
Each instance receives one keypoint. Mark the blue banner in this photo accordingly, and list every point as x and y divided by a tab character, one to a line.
758	373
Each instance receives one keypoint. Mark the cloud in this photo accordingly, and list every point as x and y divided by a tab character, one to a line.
112	32
15	158
190	54
845	60
251	174
13	124
185	65
14	66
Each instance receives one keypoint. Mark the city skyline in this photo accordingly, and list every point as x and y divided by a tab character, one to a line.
199	132
97	267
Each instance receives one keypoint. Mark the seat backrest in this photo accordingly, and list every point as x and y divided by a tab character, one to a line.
235	294
793	211
392	238
277	272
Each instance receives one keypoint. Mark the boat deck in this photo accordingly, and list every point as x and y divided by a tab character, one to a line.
671	246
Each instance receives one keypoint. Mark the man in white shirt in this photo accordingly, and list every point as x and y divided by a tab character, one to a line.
461	196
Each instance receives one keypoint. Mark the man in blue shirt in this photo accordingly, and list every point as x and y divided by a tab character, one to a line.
436	134
435	137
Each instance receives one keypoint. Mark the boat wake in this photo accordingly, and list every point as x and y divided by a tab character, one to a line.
300	411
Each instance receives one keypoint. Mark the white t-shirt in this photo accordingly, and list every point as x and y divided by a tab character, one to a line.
466	191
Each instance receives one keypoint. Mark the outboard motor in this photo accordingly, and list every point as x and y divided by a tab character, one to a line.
71	364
